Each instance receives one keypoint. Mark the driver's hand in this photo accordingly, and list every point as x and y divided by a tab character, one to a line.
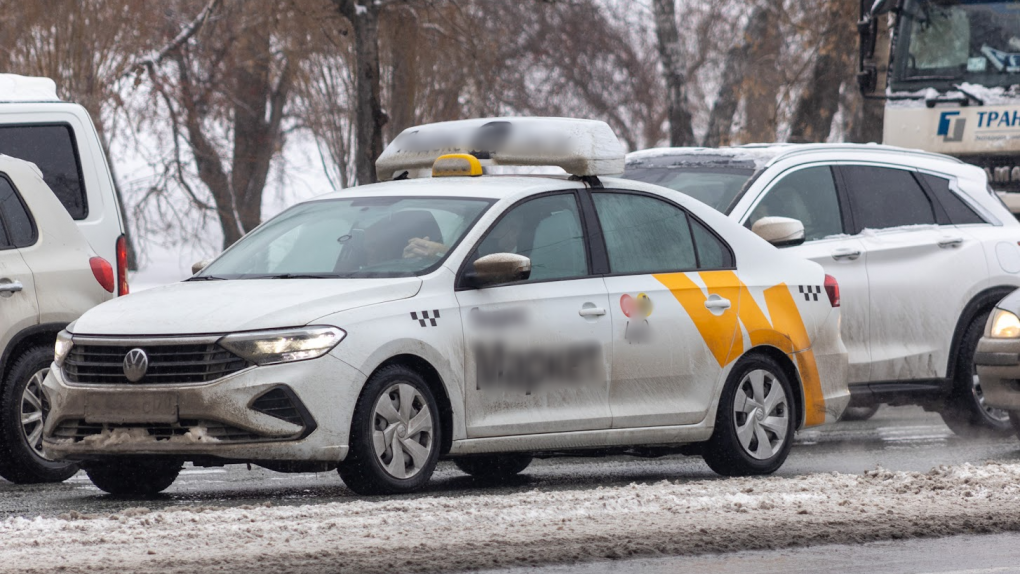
422	247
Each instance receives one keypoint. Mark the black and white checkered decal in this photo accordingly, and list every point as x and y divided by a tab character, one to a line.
810	292
425	317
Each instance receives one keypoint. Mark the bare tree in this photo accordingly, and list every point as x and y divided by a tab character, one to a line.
681	131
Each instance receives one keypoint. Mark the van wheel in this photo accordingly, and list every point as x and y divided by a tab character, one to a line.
394	443
965	411
754	424
23	412
495	467
134	477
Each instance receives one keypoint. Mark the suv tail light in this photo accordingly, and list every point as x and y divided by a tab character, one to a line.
832	290
122	266
103	271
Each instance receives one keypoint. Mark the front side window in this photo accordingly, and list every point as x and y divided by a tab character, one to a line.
884	197
17	221
807	195
351	238
644	234
52	149
548	231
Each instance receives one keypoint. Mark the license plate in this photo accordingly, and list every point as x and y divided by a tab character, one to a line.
150	407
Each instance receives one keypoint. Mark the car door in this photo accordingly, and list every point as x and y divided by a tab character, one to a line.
537	351
19	308
920	274
810	194
664	369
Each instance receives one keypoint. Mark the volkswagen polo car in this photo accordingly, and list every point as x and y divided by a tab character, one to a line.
482	318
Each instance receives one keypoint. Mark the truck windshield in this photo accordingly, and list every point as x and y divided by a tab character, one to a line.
942	43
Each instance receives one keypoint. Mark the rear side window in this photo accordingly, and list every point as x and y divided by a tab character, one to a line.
959	212
712	252
16	220
644	235
884	197
53	149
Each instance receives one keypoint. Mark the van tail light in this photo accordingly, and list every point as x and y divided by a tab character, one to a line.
103	271
122	266
832	290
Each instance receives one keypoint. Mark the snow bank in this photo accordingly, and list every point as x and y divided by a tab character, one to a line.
456	532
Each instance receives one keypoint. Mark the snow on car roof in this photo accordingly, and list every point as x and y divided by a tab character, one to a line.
761	155
488	187
15	88
580	147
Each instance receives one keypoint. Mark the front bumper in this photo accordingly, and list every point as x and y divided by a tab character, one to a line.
313	403
998	367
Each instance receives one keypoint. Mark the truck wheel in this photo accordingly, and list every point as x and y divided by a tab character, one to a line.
134	477
965	411
394	443
494	467
754	424
23	411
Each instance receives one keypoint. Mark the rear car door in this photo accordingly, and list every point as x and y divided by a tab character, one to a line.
810	194
920	274
537	351
664	369
19	308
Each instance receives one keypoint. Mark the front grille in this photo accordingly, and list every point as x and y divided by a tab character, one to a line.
168	364
77	430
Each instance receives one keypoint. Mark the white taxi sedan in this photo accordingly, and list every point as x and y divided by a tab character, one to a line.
482	318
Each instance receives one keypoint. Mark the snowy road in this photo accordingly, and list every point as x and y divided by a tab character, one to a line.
563	510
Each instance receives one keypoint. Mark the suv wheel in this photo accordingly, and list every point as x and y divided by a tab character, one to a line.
494	467
394	444
23	411
965	411
134	477
754	424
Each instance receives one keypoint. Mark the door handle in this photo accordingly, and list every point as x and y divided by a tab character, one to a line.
591	312
717	303
846	254
12	287
950	242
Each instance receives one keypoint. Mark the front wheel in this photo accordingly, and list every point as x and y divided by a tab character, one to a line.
23	412
965	411
394	443
130	477
755	422
496	467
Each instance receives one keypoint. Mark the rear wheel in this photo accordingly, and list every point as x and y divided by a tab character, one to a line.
130	477
394	443
965	410
755	421
495	467
23	412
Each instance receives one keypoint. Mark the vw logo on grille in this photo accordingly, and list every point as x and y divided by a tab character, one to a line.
136	362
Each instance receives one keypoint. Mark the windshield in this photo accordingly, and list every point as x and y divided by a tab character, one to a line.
717	187
356	237
946	42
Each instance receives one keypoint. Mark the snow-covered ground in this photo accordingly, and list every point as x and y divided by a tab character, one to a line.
458	532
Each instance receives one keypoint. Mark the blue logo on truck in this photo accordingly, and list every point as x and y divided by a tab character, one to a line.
951	126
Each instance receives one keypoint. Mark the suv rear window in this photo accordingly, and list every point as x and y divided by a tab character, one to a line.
886	197
52	148
20	230
959	212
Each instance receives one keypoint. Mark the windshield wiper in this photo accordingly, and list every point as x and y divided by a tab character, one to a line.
297	276
206	278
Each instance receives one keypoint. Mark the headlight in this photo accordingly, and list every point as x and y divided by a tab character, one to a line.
1005	325
62	348
283	346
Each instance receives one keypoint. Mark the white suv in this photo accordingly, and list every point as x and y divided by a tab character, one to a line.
48	277
922	249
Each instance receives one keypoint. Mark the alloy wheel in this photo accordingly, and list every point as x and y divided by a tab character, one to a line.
402	431
761	414
34	409
996	415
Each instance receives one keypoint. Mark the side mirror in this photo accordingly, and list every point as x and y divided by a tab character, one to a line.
779	231
195	268
500	268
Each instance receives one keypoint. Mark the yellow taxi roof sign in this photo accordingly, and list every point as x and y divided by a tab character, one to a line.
456	165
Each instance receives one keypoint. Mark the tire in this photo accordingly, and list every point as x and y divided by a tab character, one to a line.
859	413
495	467
731	452
21	457
134	477
964	411
395	435
1014	421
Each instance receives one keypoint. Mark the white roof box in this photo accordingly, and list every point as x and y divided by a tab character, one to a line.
15	88
580	147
